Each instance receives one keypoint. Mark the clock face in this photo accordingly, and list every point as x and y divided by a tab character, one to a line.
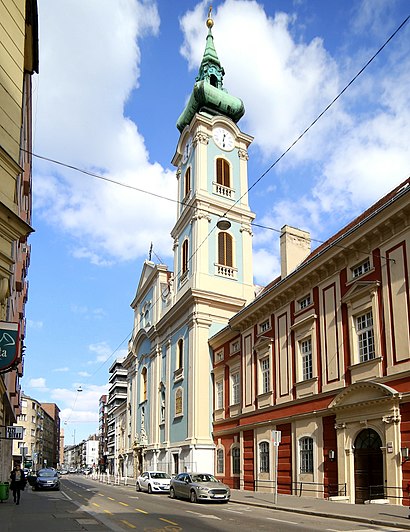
187	150
223	139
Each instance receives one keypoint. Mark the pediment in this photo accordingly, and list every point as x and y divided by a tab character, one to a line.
360	288
363	392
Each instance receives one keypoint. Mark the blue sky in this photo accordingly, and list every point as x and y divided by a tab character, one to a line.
114	78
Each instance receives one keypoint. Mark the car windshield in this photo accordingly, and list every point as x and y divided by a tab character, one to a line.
203	478
46	473
160	475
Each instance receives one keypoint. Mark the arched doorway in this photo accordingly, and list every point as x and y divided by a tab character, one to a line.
368	466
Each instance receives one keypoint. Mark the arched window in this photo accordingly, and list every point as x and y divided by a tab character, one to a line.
306	455
220	462
225	249
180	354
223	172
185	257
187	182
236	461
144	384
264	457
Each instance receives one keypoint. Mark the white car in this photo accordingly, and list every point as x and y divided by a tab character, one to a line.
153	482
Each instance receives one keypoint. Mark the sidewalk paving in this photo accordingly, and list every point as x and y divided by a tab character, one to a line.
48	512
376	514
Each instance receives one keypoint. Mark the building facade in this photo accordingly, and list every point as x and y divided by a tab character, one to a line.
321	358
18	62
102	433
175	313
39	447
117	396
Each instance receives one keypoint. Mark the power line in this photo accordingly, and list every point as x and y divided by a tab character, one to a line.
92	174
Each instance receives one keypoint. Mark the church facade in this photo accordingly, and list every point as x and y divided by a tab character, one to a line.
175	313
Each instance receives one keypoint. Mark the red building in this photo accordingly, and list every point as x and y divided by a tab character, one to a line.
322	355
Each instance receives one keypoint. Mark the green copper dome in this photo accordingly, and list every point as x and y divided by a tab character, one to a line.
208	93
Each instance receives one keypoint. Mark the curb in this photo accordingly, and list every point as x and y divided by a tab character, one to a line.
351	518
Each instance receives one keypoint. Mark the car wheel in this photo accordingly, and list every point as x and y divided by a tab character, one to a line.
137	486
193	497
149	489
172	493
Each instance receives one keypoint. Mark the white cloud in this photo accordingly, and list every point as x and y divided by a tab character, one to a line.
80	120
79	407
35	324
103	352
84	374
39	383
62	370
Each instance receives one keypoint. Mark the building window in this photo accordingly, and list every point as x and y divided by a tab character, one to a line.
223	173
265	374
365	336
264	326
185	257
178	402
219	356
187	182
225	249
304	302
235	347
162	412
180	354
144	384
235	390
220	461
264	457
361	269
307	359
236	461
219	395
306	455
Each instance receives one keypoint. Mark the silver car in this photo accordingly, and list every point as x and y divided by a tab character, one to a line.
199	487
153	482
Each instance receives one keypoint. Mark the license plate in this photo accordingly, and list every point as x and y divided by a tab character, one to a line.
219	496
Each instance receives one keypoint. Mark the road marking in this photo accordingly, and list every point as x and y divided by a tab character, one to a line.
111	499
141	511
123	503
127	523
170	522
95	504
108	512
206	516
101	494
283	521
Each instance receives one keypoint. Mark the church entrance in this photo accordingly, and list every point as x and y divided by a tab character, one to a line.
368	466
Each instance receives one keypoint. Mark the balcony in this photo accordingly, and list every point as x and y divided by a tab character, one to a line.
226	271
221	190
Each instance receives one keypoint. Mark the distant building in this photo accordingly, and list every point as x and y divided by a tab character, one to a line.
18	62
54	412
38	447
102	433
117	396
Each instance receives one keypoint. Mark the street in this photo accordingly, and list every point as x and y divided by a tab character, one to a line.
122	508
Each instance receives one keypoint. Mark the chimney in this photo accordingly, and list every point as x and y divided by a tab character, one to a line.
294	248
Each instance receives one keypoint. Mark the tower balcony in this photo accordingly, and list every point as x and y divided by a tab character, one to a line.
226	271
221	190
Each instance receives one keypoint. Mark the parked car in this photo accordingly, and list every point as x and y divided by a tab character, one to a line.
46	479
153	482
199	487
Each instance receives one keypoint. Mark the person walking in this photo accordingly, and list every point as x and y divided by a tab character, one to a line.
18	482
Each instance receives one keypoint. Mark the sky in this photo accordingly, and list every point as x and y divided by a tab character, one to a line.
114	78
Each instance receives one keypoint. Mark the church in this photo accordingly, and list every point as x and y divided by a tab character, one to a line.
301	388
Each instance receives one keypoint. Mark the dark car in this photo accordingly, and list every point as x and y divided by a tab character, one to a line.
199	487
46	479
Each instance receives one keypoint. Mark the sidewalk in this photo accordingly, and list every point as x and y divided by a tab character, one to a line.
47	512
375	514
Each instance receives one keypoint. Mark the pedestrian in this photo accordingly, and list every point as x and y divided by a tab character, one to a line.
18	482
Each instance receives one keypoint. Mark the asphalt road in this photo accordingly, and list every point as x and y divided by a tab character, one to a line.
125	509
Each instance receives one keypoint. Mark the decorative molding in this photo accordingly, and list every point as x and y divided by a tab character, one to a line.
200	137
243	154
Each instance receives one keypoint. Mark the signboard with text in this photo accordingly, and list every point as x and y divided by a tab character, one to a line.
14	433
9	335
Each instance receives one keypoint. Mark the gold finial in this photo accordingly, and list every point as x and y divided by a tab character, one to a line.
209	21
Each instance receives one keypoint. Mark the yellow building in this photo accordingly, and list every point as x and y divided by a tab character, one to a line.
18	62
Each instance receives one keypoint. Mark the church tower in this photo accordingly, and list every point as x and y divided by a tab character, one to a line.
211	160
176	313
